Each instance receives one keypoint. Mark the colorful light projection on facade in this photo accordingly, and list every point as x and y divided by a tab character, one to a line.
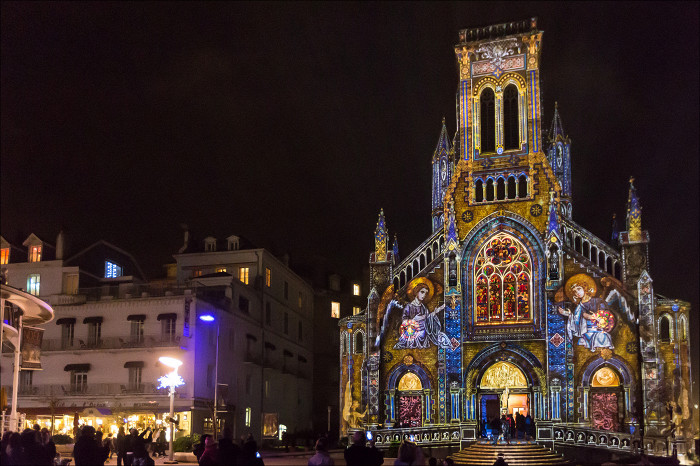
503	375
503	277
605	377
409	381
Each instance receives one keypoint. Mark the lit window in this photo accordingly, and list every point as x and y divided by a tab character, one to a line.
243	274
356	310
268	277
221	269
35	254
335	309
112	270
197	273
248	415
33	282
503	282
356	289
4	256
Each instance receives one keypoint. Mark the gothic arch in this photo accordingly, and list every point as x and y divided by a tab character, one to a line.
401	369
524	359
527	235
621	367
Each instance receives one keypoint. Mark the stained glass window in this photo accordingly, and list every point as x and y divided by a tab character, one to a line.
503	281
410	381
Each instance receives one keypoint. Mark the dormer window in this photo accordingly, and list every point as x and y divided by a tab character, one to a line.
35	253
233	244
112	270
4	256
210	244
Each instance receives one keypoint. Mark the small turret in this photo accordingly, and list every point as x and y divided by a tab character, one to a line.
380	239
634	214
395	250
442	174
634	242
615	232
559	156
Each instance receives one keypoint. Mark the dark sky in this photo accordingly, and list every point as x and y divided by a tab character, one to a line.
292	124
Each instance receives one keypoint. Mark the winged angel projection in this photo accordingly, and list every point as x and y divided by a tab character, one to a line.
420	327
592	319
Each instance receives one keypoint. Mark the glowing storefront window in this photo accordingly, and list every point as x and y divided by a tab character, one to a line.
356	289
335	309
503	281
220	269
112	270
4	256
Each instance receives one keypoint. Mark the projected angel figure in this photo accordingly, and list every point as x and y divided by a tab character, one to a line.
419	327
591	320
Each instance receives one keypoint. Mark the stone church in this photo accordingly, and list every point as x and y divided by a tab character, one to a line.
510	306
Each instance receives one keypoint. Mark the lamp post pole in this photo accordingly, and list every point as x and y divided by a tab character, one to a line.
14	418
172	426
216	383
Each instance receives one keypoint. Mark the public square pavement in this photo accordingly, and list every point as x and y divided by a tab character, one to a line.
279	459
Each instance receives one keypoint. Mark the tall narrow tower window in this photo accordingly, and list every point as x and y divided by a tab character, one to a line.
479	191
488	121
510	118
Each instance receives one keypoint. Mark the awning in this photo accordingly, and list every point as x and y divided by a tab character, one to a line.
93	320
133	364
46	411
168	315
288	354
136	317
77	367
65	320
90	412
269	345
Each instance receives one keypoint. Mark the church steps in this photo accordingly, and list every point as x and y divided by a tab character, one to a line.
486	454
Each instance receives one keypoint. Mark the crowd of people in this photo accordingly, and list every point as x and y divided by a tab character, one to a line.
32	446
508	427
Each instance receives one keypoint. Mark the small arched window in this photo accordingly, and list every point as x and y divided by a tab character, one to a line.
594	255
359	343
489	190
510	118
522	186
396	284
511	187
665	329
428	255
403	278
601	259
488	121
577	244
683	328
479	191
501	189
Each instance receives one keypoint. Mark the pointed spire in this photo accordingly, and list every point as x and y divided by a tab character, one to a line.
634	214
380	238
443	141
451	224
395	250
553	224
557	129
615	231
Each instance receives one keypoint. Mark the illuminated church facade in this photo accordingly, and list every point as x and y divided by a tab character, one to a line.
509	305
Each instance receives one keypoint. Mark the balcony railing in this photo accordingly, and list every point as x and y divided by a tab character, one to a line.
90	389
107	343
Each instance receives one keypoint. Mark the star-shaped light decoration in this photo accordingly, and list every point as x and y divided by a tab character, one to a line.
171	380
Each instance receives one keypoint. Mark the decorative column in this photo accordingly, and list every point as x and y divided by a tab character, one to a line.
390	412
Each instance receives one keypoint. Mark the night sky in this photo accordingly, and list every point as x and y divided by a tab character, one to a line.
292	124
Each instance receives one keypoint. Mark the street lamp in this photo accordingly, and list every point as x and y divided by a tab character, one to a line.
211	318
171	380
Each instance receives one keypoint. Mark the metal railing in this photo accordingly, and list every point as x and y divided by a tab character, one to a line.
122	342
90	389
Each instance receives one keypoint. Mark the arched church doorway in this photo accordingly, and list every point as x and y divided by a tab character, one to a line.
409	401
606	399
503	389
